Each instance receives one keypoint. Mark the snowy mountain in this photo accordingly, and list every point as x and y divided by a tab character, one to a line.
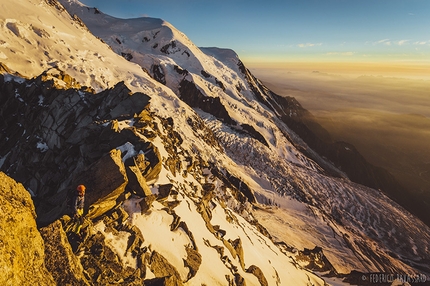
194	177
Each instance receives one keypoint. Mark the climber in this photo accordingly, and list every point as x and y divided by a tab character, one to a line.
78	205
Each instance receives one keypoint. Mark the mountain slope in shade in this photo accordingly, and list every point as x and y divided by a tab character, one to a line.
229	198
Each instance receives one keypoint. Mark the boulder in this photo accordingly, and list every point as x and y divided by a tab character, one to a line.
193	261
162	268
137	182
146	202
22	255
154	168
164	191
105	180
59	257
161	281
259	274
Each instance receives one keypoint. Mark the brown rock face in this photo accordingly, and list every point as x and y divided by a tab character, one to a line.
163	269
21	246
67	270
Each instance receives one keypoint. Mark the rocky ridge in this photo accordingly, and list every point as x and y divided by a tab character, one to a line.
189	196
115	157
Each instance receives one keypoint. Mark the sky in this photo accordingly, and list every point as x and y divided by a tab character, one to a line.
287	30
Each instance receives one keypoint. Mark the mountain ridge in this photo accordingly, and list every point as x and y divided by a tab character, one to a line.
194	185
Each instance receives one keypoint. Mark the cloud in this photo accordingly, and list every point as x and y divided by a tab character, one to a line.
402	42
384	41
307	45
389	42
411	14
345	54
421	42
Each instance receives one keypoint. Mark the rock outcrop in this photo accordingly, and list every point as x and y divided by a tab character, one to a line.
69	135
22	248
105	180
60	260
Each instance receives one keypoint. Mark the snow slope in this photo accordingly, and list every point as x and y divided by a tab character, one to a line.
39	35
349	221
357	227
162	50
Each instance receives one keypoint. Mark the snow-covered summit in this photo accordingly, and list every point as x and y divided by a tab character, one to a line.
171	58
246	198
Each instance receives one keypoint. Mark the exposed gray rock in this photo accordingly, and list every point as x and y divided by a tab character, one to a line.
158	73
191	94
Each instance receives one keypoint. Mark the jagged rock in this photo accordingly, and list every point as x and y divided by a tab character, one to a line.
164	191
242	191
316	260
208	188
162	268
55	73
161	281
176	220
22	256
137	182
146	202
254	133
185	228
236	249
200	127
180	70
133	104
153	156
158	73
59	257
127	56
205	74
191	94
105	181
141	162
258	273
104	266
240	281
64	135
237	245
220	84
170	48
116	218
193	261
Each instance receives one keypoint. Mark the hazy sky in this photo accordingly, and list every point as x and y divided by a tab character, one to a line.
299	30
